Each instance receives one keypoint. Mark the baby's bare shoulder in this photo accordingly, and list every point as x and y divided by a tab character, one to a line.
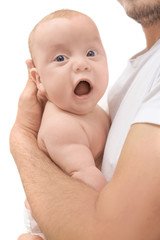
102	117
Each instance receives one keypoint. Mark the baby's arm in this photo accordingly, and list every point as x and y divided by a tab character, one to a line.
67	144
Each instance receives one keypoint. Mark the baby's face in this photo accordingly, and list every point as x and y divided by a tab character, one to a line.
71	63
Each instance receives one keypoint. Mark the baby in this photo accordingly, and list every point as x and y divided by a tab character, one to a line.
71	72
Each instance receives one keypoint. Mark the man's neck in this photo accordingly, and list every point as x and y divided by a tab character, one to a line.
152	34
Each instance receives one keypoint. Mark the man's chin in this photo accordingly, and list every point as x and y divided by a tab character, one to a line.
146	15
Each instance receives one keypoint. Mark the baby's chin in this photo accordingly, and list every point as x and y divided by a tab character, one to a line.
81	110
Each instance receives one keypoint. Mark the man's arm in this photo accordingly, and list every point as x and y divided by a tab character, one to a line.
127	208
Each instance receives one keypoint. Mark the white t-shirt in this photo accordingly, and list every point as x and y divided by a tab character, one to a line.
134	98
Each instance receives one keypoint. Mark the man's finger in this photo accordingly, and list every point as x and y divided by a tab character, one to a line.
29	92
28	236
29	65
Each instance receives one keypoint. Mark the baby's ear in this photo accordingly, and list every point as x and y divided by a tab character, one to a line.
36	77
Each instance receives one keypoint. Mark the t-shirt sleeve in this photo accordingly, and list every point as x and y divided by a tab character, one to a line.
149	111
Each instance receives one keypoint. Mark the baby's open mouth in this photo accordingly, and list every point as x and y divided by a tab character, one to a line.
82	88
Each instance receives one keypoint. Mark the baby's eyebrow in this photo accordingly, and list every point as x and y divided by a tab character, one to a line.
59	45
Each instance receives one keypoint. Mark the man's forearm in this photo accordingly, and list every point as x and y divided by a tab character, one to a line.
64	208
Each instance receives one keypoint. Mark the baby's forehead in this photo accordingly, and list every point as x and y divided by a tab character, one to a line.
63	24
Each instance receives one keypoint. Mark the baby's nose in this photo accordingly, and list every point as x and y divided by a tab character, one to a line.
81	66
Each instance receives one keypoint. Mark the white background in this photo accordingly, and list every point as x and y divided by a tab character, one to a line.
122	38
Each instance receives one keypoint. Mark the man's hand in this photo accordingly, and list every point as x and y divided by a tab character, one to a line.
30	107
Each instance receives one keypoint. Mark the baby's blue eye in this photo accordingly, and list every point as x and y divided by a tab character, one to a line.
91	53
60	58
